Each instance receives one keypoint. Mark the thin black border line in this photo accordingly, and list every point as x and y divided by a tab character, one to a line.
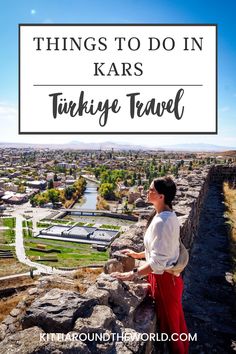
117	85
119	133
118	24
19	79
128	25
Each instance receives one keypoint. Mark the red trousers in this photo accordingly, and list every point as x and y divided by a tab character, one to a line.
166	289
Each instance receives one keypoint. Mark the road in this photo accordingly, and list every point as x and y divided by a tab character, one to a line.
37	214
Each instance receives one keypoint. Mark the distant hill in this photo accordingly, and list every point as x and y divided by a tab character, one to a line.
77	145
107	145
197	147
230	153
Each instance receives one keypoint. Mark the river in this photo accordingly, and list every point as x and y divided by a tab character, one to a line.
89	199
88	202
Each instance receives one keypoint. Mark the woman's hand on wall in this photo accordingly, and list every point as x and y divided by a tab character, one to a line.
123	276
130	253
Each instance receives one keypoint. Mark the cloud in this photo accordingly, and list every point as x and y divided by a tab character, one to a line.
33	12
7	111
8	121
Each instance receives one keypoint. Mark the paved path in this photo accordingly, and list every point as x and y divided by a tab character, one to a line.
91	178
19	244
208	297
20	249
18	275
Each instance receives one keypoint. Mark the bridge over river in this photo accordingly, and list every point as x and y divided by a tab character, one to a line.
91	179
91	212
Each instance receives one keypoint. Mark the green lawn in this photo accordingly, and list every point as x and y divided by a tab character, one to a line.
55	222
59	243
63	222
7	247
82	254
43	224
25	233
8	222
27	227
106	226
29	224
7	236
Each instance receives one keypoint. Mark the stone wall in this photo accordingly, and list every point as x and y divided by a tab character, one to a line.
57	320
108	306
191	190
221	173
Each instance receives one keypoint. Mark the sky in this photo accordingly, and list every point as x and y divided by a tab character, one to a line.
222	13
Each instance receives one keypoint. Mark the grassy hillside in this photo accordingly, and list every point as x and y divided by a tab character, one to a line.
230	202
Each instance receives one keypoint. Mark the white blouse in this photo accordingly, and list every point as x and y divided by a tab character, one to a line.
161	241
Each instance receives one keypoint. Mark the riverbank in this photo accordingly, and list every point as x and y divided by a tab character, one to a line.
89	198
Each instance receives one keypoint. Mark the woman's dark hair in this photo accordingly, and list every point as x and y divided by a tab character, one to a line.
167	187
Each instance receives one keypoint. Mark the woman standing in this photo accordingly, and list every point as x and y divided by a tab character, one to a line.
162	244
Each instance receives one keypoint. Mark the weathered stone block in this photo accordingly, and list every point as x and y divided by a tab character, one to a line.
101	319
3	329
101	296
133	239
34	340
124	297
9	320
57	310
113	265
15	312
33	291
127	262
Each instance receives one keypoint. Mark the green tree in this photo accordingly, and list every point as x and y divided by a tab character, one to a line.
53	195
132	181
50	184
69	191
190	166
106	191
